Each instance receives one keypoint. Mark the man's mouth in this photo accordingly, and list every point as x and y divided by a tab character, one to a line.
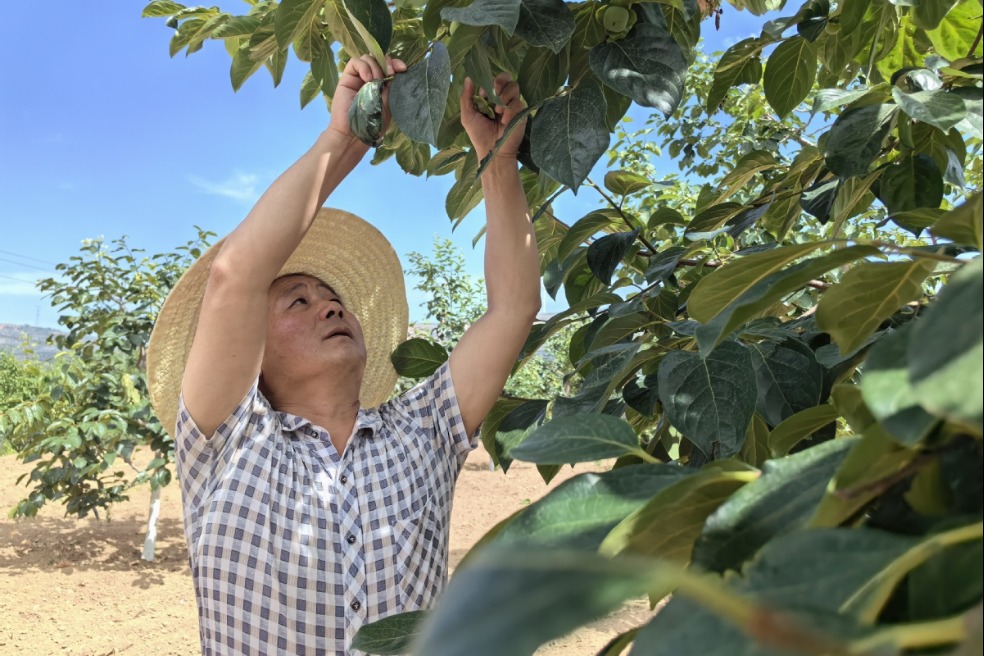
338	332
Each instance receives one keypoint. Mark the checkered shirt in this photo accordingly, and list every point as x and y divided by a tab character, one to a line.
294	547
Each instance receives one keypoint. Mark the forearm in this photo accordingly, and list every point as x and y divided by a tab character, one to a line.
257	249
512	265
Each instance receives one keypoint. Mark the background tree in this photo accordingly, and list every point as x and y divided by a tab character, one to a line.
785	366
17	385
92	411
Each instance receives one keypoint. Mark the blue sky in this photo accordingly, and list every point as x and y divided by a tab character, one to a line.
103	134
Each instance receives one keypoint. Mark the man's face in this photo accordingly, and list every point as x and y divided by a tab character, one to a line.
309	329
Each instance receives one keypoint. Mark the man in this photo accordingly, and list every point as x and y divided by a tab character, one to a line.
308	511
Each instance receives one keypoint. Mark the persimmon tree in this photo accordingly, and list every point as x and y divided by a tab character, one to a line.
779	350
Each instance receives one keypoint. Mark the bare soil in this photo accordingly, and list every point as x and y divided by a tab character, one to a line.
79	587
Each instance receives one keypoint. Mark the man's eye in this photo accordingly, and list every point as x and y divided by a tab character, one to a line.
297	301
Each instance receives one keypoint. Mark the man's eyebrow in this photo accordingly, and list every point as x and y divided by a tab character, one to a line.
303	285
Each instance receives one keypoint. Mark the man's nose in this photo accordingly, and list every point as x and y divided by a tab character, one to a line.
333	309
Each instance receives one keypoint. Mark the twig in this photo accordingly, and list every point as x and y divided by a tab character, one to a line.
618	208
977	40
883	484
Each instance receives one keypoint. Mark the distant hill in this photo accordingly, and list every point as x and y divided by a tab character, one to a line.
13	336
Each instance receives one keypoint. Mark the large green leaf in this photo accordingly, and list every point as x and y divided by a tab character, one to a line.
580	512
667	526
569	135
911	183
576	438
545	23
778	502
418	97
242	67
710	400
606	253
770	290
938	108
789	74
868	294
293	16
504	13
418	357
583	228
874	458
375	17
964	224
740	64
352	34
647	66
887	393
541	74
800	426
481	614
957	31
722	286
927	14
788	377
392	635
946	350
855	139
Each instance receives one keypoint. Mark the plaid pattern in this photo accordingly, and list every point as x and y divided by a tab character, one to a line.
294	547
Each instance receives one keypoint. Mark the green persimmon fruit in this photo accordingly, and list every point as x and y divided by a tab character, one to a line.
616	19
453	27
366	113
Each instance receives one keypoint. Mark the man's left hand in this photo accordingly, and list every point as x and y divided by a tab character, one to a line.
484	131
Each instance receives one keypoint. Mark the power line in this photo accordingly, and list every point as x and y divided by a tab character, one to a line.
27	257
24	264
17	279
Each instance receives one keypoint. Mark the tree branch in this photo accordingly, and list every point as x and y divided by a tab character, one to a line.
618	208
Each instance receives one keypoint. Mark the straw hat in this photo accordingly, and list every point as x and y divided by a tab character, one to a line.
340	249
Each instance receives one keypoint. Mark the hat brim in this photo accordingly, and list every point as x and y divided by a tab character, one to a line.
340	249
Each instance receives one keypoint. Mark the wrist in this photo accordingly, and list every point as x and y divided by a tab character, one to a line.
344	146
502	168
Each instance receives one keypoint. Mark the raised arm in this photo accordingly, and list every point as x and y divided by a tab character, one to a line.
228	345
483	358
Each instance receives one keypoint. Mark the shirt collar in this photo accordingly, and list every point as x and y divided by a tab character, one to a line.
368	418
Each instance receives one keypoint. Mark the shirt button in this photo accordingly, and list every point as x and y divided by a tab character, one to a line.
355	605
343	479
350	539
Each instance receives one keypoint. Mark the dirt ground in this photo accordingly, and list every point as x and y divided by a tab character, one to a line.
79	587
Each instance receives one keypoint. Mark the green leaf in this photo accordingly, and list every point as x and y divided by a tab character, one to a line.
946	350
391	635
773	287
504	13
581	511
855	139
957	31
927	14
910	183
465	194
868	294
963	224
800	426
624	183
293	16
606	253
325	72
545	23
481	615
874	458
740	64
755	451
886	391
352	34
412	157
578	438
160	8
585	227
788	378
237	26
719	288
417	98
938	108
309	89
375	17
541	74
789	74
778	502
710	400
569	135
647	66
418	357
242	67
668	525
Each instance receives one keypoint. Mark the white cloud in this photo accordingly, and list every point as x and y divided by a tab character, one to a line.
241	187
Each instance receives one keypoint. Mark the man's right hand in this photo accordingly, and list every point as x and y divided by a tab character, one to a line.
358	71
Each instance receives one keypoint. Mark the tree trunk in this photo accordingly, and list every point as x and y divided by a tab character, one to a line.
150	542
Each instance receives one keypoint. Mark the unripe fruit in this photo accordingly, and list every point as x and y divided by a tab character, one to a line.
453	27
616	19
832	28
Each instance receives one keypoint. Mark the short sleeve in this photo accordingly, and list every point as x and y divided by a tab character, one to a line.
198	456
435	404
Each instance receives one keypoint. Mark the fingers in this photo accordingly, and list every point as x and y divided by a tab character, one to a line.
467	104
365	68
